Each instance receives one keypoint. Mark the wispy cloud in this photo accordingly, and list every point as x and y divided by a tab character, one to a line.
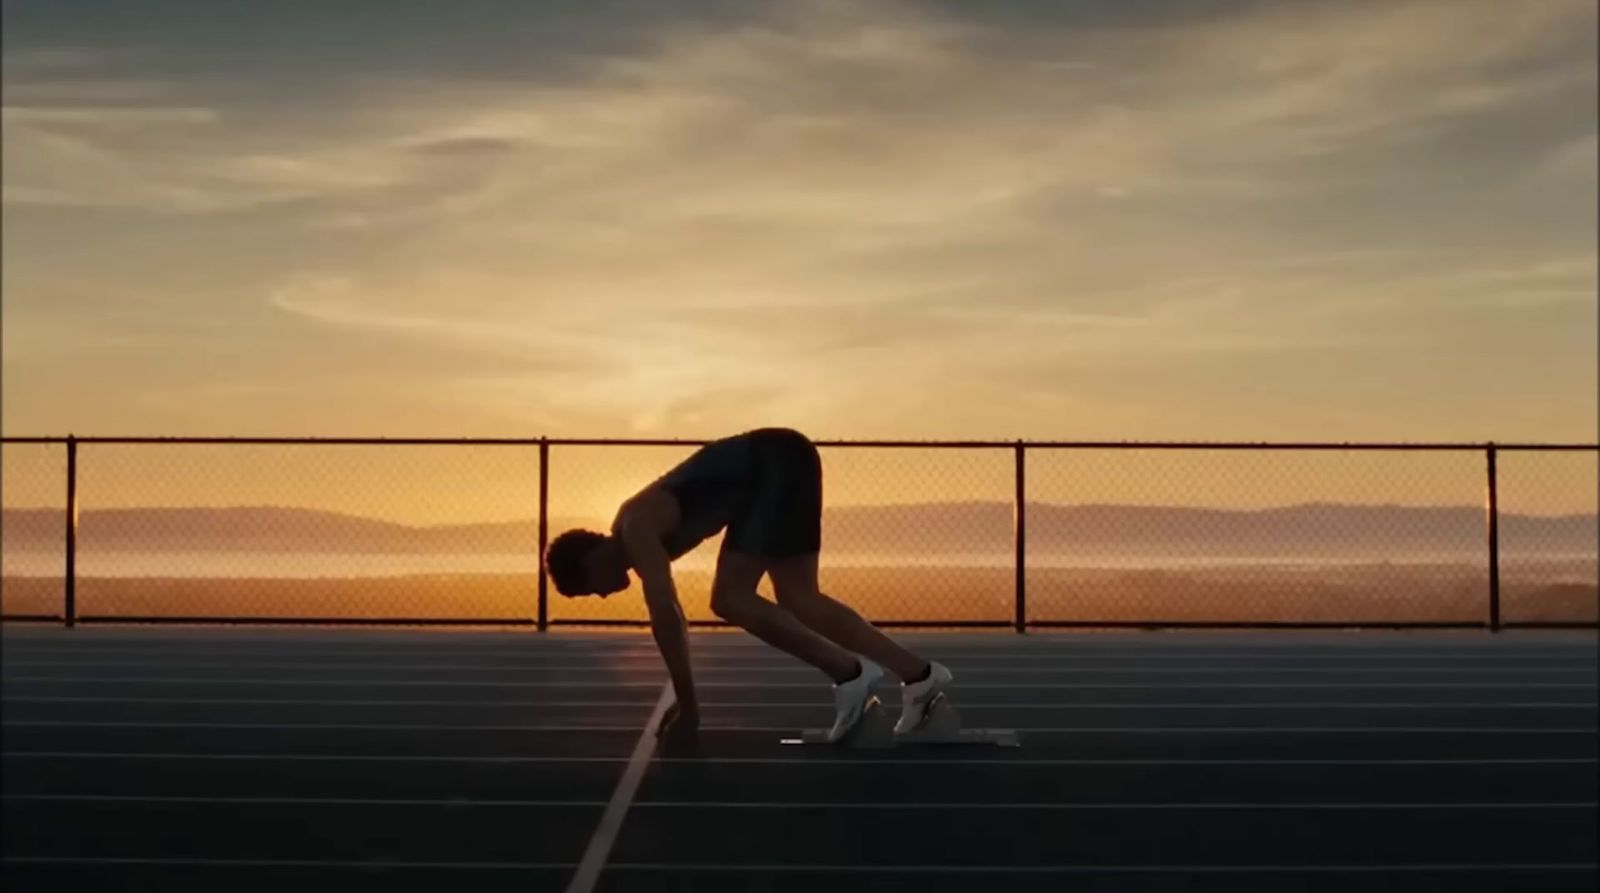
817	206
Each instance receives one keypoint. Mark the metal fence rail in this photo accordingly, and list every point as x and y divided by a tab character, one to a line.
1018	615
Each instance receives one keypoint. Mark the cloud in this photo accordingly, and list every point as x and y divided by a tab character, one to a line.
828	94
105	116
421	309
483	146
1576	160
792	204
1569	281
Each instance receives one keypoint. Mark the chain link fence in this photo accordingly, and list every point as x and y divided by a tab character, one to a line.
1547	537
33	561
1230	536
281	532
451	532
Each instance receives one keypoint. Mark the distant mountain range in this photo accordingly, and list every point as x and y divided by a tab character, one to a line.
1317	529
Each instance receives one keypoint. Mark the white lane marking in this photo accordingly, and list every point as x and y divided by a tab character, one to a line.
356	864
782	761
777	705
1067	807
298	757
382	683
1504	675
143	724
655	683
324	702
765	868
1368	868
559	727
605	833
294	801
620	806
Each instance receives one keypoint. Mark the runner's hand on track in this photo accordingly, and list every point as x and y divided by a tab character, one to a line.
679	728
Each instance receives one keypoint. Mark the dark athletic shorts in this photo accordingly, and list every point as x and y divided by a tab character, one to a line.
779	514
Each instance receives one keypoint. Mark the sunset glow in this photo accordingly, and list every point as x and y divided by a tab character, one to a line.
1330	220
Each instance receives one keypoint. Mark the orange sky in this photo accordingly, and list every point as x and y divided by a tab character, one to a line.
443	485
1322	220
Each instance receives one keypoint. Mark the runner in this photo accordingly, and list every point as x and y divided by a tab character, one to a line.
764	487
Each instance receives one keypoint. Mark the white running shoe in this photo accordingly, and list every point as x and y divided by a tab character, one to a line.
917	698
850	699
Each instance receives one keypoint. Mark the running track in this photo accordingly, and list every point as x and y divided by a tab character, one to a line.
190	759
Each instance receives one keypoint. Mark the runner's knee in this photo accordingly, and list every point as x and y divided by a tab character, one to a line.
799	600
729	602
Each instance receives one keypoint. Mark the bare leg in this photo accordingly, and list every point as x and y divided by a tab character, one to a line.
734	599
796	583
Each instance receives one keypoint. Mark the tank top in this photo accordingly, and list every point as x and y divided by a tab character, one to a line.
708	486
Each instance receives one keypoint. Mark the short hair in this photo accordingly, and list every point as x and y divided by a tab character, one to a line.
565	559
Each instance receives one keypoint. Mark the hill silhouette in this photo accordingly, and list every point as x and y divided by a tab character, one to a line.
928	529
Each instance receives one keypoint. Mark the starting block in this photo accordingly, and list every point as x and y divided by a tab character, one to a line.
875	731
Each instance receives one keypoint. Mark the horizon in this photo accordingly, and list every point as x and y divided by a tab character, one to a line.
849	507
958	534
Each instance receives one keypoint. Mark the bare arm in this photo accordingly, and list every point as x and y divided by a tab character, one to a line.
654	567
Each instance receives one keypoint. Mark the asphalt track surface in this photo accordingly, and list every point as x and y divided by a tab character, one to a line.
191	759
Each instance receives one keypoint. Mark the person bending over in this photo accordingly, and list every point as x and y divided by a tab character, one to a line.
764	487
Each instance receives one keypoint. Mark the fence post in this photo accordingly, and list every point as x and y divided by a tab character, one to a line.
70	609
1494	541
1019	530
544	532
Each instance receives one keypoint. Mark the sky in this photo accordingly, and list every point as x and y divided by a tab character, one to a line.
1325	219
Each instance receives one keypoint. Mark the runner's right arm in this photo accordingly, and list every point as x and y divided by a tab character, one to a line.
654	567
